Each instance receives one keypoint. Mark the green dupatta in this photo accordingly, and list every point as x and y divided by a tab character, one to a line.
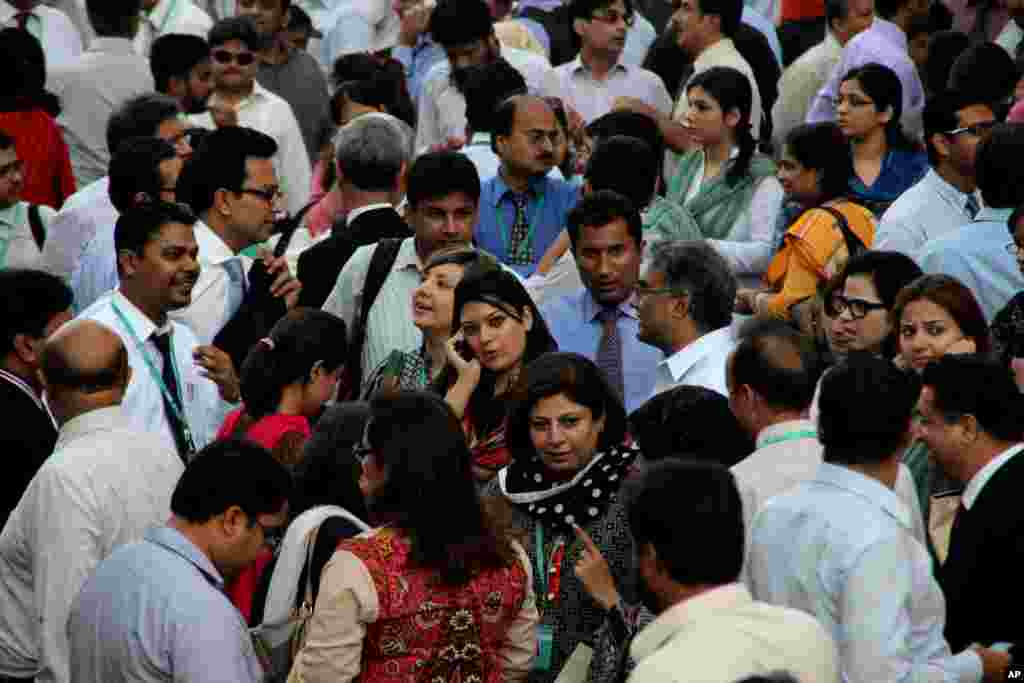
718	205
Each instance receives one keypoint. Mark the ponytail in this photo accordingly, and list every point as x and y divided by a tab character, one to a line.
748	145
263	380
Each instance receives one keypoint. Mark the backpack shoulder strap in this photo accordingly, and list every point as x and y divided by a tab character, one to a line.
854	244
35	222
381	262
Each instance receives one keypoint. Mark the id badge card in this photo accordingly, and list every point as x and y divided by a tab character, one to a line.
545	646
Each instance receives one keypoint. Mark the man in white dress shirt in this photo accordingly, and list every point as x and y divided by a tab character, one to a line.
94	85
358	26
840	546
104	484
179	390
684	300
90	209
238	100
591	82
708	627
231	185
947	197
54	30
465	29
162	17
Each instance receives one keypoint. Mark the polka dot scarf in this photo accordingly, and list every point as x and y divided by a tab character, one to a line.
584	498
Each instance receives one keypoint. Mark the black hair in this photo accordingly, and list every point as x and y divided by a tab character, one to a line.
460	22
302	340
731	89
629	123
600	208
775	361
372	81
584	10
883	86
485	87
580	381
690	422
887	9
32	298
439	174
940	116
298	18
242	29
944	48
114	19
702	498
611	156
139	225
998	172
430	493
228	473
864	409
985	71
975	384
328	473
23	86
6	141
503	290
135	168
174	56
823	147
219	163
728	11
835	10
140	117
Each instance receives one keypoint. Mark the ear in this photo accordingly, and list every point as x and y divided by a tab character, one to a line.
940	143
971	428
234	522
128	262
732	117
176	86
578	26
221	203
26	350
886	115
681	307
527	318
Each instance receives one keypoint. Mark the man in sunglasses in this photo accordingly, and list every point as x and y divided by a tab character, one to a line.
947	197
239	100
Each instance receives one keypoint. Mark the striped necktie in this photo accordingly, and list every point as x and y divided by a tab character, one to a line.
609	349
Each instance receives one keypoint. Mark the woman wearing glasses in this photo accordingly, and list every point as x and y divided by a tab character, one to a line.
439	590
729	191
885	161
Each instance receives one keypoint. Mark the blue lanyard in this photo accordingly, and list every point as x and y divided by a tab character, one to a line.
506	235
175	402
790	436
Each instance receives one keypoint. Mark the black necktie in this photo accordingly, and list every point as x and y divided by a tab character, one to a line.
178	428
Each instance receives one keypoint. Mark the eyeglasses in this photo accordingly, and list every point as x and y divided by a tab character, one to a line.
240	58
977	130
851	100
858	308
269	195
272	535
612	17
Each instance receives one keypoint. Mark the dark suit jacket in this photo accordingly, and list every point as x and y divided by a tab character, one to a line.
320	265
981	576
26	442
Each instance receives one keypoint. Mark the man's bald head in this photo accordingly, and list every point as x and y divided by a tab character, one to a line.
84	357
774	360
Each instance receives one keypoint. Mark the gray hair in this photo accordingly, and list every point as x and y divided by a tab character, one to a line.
371	151
700	271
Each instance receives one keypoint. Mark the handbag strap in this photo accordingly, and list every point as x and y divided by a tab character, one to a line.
307	597
854	244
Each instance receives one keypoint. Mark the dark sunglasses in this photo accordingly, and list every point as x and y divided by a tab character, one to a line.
241	58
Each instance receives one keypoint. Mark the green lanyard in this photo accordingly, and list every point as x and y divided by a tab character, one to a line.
175	402
790	436
506	234
167	17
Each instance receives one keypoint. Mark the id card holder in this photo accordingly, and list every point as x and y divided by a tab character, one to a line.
545	646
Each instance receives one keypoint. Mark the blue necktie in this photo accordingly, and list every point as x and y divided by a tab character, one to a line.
238	287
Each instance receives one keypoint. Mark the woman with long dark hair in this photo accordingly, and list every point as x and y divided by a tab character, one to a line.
27	114
439	590
886	162
499	331
728	190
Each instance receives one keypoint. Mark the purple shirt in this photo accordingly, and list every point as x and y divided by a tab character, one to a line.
884	43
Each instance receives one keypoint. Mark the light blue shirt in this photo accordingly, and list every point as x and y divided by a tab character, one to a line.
493	234
156	611
573	322
417	62
930	209
96	272
976	255
841	548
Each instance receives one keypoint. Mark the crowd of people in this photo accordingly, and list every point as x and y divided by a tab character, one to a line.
529	340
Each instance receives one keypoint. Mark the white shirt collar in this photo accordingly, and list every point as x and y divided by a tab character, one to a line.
481	139
945	189
356	213
789	427
681	361
578	65
714	53
978	481
683	614
212	247
140	323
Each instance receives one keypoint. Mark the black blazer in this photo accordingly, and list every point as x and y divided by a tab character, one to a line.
321	264
981	576
26	442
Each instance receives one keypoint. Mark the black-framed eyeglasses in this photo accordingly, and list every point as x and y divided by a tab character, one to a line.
977	130
612	17
270	195
858	308
272	535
